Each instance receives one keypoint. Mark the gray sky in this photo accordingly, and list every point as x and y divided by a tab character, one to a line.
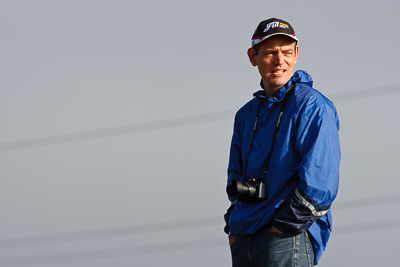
117	117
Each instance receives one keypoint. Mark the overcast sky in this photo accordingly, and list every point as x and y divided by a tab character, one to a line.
116	119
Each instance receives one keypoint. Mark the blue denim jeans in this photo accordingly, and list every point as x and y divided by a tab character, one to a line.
267	249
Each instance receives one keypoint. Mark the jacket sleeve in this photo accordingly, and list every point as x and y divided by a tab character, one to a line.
318	149
235	168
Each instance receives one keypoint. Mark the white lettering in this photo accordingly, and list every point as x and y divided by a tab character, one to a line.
271	25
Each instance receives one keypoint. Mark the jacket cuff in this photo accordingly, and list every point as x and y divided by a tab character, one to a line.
297	213
227	216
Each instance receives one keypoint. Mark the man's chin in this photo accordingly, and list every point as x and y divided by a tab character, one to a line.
277	83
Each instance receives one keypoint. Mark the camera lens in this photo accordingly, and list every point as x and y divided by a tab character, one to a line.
239	189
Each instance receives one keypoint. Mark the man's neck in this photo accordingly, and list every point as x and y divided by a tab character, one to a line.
270	91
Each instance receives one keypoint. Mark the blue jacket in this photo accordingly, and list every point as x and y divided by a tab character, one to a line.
303	176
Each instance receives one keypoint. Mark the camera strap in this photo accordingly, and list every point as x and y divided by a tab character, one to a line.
275	136
278	124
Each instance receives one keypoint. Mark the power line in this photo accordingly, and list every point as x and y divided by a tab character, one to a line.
373	201
366	227
116	131
366	93
171	247
170	123
146	228
157	227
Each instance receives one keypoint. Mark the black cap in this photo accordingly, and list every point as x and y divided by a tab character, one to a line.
271	27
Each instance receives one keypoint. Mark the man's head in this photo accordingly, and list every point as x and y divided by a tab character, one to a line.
274	51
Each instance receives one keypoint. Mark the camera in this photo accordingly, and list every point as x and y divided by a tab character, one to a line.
252	190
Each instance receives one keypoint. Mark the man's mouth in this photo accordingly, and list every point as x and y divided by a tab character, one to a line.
278	71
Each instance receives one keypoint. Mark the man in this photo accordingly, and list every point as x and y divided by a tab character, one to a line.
284	161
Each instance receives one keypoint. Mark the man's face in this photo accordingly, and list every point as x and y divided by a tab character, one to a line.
275	60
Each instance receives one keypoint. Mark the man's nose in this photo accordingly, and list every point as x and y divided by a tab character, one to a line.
279	59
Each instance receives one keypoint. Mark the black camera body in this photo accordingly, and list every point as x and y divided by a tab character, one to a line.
252	190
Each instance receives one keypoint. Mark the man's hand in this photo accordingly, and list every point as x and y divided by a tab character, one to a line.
275	230
232	239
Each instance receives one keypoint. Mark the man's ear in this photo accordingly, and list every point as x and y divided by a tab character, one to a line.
251	53
297	53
